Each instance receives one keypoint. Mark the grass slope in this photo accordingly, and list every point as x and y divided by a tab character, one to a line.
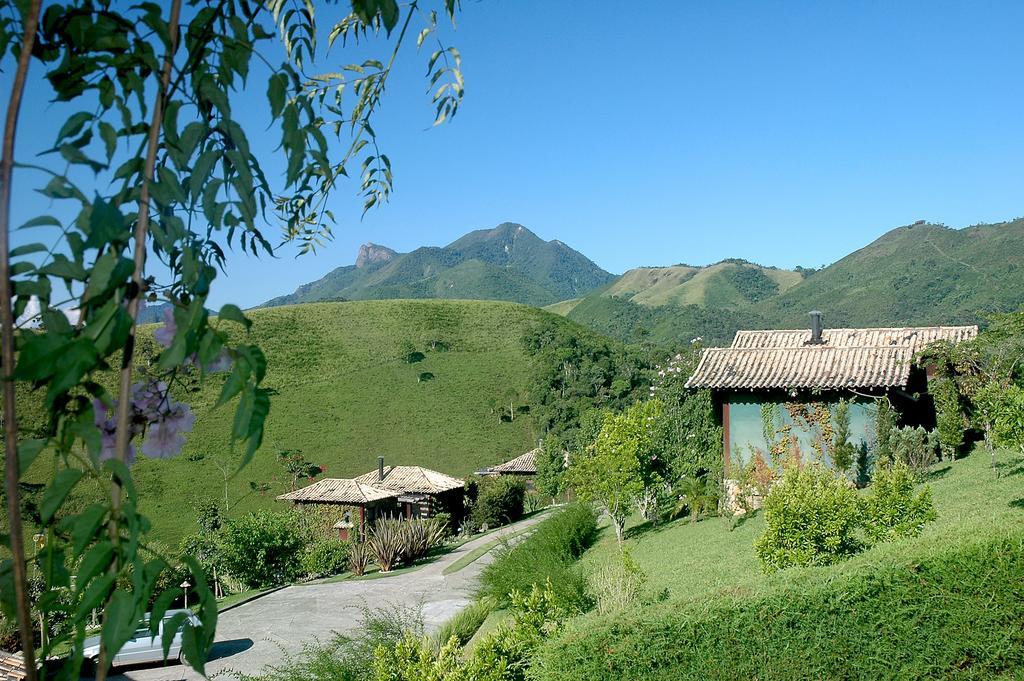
949	601
346	394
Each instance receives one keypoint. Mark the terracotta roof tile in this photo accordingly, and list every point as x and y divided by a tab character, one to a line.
339	491
524	463
848	358
412	479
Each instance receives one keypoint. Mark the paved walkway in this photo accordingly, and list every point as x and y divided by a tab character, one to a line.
254	635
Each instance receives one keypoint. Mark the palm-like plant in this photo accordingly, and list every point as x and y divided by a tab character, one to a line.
696	494
386	543
358	559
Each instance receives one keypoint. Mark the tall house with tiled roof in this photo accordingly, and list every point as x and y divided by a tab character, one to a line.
781	385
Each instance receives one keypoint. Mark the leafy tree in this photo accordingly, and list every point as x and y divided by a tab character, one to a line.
843	451
298	467
615	469
885	424
950	419
551	467
154	164
689	438
1004	410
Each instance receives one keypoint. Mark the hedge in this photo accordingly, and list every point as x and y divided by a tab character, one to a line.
956	611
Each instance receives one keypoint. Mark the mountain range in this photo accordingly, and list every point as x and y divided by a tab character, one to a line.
508	262
918	274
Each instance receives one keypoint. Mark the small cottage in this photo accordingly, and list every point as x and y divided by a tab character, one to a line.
775	389
523	466
421	492
359	504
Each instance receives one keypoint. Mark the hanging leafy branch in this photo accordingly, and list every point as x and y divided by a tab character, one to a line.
154	165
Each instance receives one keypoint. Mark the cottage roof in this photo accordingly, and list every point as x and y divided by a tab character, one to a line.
339	491
846	358
523	464
12	666
411	479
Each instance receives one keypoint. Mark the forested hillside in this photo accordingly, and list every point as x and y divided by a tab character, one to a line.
914	275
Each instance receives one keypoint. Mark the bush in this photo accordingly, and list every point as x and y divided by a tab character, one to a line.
916	447
892	509
327	557
949	417
546	555
617	584
358	559
345	658
465	623
954	611
499	501
811	518
262	548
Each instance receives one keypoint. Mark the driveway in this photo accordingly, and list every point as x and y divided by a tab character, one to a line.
254	635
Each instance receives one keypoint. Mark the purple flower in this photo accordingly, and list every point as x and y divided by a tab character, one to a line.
222	363
163	441
165	334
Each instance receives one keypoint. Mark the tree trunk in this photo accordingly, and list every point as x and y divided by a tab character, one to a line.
13	472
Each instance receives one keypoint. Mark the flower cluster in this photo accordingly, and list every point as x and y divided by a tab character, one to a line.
165	336
665	373
155	413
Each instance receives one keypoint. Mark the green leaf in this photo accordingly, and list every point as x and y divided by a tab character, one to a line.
164	601
110	271
107	225
121	617
94	595
83	528
41	221
234	313
201	171
73	125
277	88
28	249
119	470
64	268
57	491
96	560
109	136
28	451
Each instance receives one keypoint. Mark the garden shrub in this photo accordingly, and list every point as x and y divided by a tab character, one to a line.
811	518
892	509
950	421
617	584
465	623
326	557
262	548
548	553
499	501
948	611
916	447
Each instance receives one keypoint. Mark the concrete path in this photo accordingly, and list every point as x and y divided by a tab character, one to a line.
254	635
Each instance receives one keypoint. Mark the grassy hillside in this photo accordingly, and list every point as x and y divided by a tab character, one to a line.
508	262
346	394
921	274
916	590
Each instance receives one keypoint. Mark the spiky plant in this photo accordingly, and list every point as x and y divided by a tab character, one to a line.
358	559
386	543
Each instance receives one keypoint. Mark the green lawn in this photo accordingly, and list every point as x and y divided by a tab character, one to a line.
694	561
345	393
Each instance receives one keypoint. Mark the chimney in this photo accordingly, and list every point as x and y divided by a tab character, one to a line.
815	328
380	469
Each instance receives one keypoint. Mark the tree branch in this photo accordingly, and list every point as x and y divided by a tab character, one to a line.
137	289
13	472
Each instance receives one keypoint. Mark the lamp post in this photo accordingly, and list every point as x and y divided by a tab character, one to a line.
185	585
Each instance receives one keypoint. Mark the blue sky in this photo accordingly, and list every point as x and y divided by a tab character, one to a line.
664	132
